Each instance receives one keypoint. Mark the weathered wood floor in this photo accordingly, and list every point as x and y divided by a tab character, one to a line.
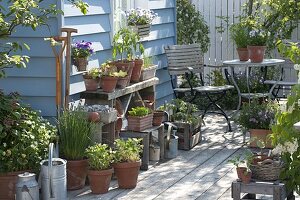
201	173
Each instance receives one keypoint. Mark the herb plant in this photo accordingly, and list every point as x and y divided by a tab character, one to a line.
127	150
100	156
139	111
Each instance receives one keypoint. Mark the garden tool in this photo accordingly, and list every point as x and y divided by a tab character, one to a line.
171	141
69	31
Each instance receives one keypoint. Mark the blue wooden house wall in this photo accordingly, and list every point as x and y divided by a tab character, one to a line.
36	83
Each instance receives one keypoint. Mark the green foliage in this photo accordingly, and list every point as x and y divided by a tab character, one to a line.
100	156
128	150
24	136
257	115
191	27
237	161
246	159
139	111
239	33
128	42
94	72
290	50
148	61
74	133
108	69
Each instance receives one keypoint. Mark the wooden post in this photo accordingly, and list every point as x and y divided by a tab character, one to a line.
68	64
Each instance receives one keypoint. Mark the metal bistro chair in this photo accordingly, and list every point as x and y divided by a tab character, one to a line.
187	61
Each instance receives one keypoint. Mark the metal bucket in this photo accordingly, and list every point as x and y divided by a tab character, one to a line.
27	188
171	143
154	153
53	177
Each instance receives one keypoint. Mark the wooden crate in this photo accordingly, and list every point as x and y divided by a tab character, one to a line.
189	136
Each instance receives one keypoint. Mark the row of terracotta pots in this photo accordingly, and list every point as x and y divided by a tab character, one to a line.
254	53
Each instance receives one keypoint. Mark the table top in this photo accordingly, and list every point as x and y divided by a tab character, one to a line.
266	62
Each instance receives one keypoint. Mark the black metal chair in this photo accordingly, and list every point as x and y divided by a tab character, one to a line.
186	62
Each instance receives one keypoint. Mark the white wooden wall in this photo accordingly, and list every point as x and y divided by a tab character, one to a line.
222	48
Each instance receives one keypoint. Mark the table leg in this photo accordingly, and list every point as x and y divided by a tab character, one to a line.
236	87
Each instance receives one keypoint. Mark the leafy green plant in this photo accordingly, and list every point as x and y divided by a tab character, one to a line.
127	150
108	69
94	73
24	135
239	33
237	161
139	111
100	156
74	133
257	115
128	42
191	27
148	61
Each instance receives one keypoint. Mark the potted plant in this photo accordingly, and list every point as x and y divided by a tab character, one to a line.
257	45
148	69
75	133
126	41
127	161
25	138
140	20
92	79
80	53
108	80
258	118
100	167
239	34
139	118
242	166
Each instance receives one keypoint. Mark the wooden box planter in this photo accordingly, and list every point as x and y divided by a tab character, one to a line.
148	73
142	30
189	135
139	123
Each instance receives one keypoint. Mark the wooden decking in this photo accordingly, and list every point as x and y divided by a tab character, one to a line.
201	173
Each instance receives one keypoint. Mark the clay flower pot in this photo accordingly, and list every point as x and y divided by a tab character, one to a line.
81	63
8	183
127	174
100	180
76	173
94	117
125	65
108	83
256	53
158	117
90	83
240	170
137	69
123	82
243	54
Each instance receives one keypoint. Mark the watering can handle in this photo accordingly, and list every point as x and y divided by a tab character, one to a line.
50	170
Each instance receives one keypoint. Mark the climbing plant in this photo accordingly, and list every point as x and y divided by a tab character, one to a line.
191	27
23	13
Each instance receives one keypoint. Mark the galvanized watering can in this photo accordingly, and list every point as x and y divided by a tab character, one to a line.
27	188
53	177
171	142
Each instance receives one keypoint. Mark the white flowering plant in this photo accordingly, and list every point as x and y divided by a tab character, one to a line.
24	136
258	38
140	16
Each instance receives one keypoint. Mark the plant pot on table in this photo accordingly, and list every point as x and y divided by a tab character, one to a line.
136	72
243	54
148	72
136	123
256	53
91	84
81	63
158	117
124	65
108	83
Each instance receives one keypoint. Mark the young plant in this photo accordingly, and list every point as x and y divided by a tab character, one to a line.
127	150
139	111
94	73
128	42
100	156
148	61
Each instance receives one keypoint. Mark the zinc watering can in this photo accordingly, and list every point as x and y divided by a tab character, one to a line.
171	142
53	177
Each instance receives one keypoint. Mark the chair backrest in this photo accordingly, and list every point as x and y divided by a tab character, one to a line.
180	57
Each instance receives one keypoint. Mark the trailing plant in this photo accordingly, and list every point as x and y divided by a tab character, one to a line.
100	156
127	150
24	135
75	132
139	111
191	27
140	16
128	42
20	13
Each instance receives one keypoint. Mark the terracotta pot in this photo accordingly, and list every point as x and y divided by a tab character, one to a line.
81	63
8	185
91	84
125	65
100	180
246	177
122	82
108	83
119	124
256	53
127	174
139	123
137	69
119	107
158	117
94	117
243	54
260	134
76	173
240	170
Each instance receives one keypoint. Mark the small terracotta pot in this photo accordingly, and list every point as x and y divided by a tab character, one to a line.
246	177
108	83
100	180
8	183
125	65
137	69
91	84
243	54
119	124
81	63
158	117
127	174
94	117
240	170
256	53
123	82
76	173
